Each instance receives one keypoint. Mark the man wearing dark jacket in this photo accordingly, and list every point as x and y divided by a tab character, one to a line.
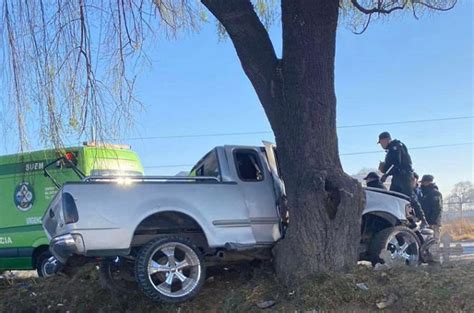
431	203
415	199
417	187
397	164
373	180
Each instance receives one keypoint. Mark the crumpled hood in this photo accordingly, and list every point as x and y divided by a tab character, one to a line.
378	200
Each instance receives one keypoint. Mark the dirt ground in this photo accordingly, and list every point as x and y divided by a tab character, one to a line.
438	288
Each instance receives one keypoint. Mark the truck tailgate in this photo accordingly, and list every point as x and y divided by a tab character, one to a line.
52	218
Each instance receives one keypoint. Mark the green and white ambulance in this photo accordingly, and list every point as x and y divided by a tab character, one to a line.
29	181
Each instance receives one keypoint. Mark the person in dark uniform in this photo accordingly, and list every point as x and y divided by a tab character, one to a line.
415	201
373	180
417	187
397	164
431	203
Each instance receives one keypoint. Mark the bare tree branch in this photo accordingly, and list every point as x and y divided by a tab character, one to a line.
389	6
360	13
379	8
251	41
366	25
435	7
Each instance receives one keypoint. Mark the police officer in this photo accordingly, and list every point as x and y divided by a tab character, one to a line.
415	201
373	180
397	164
431	203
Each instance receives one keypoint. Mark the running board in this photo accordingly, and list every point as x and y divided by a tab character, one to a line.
234	246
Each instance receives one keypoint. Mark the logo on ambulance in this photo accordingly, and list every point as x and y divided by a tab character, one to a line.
24	196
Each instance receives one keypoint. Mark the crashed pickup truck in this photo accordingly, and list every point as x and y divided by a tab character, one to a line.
162	232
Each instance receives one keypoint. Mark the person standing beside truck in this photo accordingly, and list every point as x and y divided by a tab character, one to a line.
417	187
432	204
373	180
415	201
397	164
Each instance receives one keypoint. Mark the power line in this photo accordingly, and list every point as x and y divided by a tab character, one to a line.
270	132
342	154
413	148
408	122
198	135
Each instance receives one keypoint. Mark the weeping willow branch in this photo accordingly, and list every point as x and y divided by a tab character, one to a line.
70	66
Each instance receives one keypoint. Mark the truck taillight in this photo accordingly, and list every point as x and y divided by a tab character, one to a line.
69	209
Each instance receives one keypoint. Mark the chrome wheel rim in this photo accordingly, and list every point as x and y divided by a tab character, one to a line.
403	247
174	269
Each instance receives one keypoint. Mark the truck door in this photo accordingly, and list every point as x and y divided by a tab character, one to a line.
256	184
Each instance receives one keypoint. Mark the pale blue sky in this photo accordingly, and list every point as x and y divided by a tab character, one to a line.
401	69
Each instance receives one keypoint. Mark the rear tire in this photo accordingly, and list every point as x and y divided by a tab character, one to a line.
400	243
170	269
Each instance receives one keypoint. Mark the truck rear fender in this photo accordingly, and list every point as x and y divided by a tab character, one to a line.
170	220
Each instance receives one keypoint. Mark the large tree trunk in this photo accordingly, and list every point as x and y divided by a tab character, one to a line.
325	203
297	93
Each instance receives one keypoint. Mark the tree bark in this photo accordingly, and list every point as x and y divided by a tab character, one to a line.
297	93
325	203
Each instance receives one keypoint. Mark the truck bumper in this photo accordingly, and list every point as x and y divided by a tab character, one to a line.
64	246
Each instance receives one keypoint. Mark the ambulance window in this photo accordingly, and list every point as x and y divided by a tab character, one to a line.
248	165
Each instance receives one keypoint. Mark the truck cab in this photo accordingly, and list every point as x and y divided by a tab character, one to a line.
250	170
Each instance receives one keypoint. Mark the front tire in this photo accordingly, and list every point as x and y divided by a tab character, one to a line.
170	269
395	244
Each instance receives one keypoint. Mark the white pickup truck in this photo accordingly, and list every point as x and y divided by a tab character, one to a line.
163	231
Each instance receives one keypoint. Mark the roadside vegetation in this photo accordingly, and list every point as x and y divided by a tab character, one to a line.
245	288
459	229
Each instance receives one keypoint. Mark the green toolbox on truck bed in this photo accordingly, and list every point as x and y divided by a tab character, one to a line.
26	190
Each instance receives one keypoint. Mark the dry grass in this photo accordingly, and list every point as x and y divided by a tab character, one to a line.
460	229
240	288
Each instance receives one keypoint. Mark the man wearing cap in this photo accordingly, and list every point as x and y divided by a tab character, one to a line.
431	203
397	164
373	180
